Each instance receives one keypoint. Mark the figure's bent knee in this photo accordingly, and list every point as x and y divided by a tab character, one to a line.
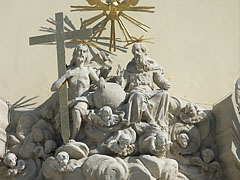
138	96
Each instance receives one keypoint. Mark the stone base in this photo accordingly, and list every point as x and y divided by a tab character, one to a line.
228	136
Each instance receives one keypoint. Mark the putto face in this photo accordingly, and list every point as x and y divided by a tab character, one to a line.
190	110
124	140
207	155
183	140
162	144
63	158
10	160
106	113
49	145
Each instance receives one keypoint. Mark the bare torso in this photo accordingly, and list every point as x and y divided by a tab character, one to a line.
79	83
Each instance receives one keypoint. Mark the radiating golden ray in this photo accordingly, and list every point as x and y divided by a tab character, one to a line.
136	24
126	30
139	40
100	29
90	8
92	44
134	20
140	10
112	10
141	7
113	36
83	7
89	21
123	31
87	9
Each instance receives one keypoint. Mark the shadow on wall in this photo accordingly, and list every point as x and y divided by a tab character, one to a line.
69	26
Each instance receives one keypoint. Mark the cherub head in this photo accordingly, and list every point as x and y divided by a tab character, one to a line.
106	113
191	109
10	160
124	140
183	140
162	143
49	145
207	155
63	158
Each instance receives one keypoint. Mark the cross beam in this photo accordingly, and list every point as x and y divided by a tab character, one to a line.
83	34
59	38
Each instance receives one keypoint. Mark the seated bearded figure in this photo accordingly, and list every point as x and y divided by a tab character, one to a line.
138	80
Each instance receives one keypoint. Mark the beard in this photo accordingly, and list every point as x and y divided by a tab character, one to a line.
80	59
142	63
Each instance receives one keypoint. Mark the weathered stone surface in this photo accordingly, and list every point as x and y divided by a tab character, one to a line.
137	168
101	167
111	95
228	136
122	129
160	168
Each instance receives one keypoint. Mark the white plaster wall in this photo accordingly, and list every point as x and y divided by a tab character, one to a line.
196	41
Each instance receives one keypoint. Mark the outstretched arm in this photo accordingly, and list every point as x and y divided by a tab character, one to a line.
60	82
94	77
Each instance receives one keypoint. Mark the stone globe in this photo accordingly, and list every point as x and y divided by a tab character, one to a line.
111	95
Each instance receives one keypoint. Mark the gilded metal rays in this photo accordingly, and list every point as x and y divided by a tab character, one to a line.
113	11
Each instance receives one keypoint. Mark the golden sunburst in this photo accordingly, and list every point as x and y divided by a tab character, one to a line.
113	10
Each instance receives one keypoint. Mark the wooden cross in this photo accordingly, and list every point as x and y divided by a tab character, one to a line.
60	37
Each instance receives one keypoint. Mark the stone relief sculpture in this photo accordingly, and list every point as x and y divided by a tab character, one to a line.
192	114
78	76
121	127
12	166
237	93
138	80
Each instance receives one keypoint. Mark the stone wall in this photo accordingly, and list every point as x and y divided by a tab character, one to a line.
228	136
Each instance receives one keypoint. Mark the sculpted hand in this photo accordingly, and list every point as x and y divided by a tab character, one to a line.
119	73
102	83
